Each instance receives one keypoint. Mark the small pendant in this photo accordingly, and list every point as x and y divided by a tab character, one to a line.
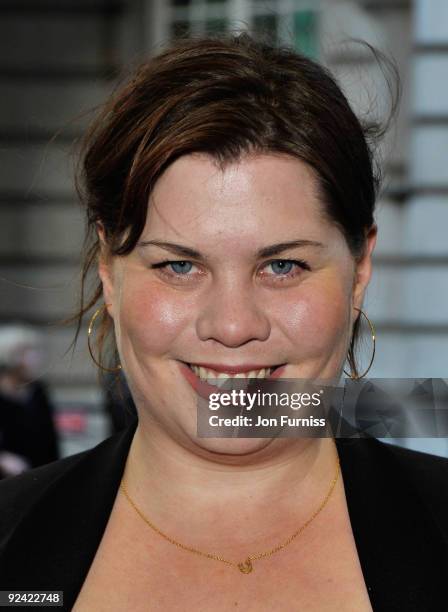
245	567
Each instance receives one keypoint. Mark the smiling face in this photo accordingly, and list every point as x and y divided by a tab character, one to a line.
235	270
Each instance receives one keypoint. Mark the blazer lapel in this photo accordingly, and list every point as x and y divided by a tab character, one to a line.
401	550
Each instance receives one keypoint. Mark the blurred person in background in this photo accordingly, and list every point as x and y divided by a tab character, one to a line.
28	436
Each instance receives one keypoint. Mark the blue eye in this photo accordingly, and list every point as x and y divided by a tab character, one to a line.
282	266
283	269
175	269
181	267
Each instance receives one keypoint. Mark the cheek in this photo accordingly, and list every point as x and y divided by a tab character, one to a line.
152	318
316	320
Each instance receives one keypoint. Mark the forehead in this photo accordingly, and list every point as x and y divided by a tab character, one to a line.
260	197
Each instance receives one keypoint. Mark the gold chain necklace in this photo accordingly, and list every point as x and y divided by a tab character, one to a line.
246	566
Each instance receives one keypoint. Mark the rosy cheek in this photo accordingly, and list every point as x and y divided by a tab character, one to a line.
152	318
315	322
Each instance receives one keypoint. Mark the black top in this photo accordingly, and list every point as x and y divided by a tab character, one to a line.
52	519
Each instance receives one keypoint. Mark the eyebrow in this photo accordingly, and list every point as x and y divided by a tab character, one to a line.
269	251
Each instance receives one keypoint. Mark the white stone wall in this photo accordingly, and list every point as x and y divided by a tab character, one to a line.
408	296
57	62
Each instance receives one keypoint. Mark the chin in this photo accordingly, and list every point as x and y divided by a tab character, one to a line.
232	447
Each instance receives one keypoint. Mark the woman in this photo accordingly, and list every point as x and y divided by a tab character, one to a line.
230	191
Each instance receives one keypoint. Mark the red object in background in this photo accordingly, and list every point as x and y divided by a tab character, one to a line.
71	421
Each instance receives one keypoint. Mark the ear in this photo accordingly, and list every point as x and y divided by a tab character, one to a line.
363	270
105	269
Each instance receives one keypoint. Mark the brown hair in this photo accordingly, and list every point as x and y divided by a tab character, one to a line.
226	96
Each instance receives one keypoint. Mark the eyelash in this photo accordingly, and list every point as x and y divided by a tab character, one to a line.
163	265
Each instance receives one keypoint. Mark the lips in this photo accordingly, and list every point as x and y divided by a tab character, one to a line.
220	372
204	389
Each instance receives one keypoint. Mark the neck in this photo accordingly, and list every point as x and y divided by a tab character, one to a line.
191	490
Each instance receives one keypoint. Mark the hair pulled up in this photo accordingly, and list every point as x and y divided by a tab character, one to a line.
226	96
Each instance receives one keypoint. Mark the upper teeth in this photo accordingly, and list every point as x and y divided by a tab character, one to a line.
205	373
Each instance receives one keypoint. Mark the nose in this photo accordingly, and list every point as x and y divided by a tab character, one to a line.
233	316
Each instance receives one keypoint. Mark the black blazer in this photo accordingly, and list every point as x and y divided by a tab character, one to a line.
52	519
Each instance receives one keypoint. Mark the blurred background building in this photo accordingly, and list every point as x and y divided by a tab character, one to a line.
60	58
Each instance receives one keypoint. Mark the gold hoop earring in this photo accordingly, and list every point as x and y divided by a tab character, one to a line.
89	334
372	331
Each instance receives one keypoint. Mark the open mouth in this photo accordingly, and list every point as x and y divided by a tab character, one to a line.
206	373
